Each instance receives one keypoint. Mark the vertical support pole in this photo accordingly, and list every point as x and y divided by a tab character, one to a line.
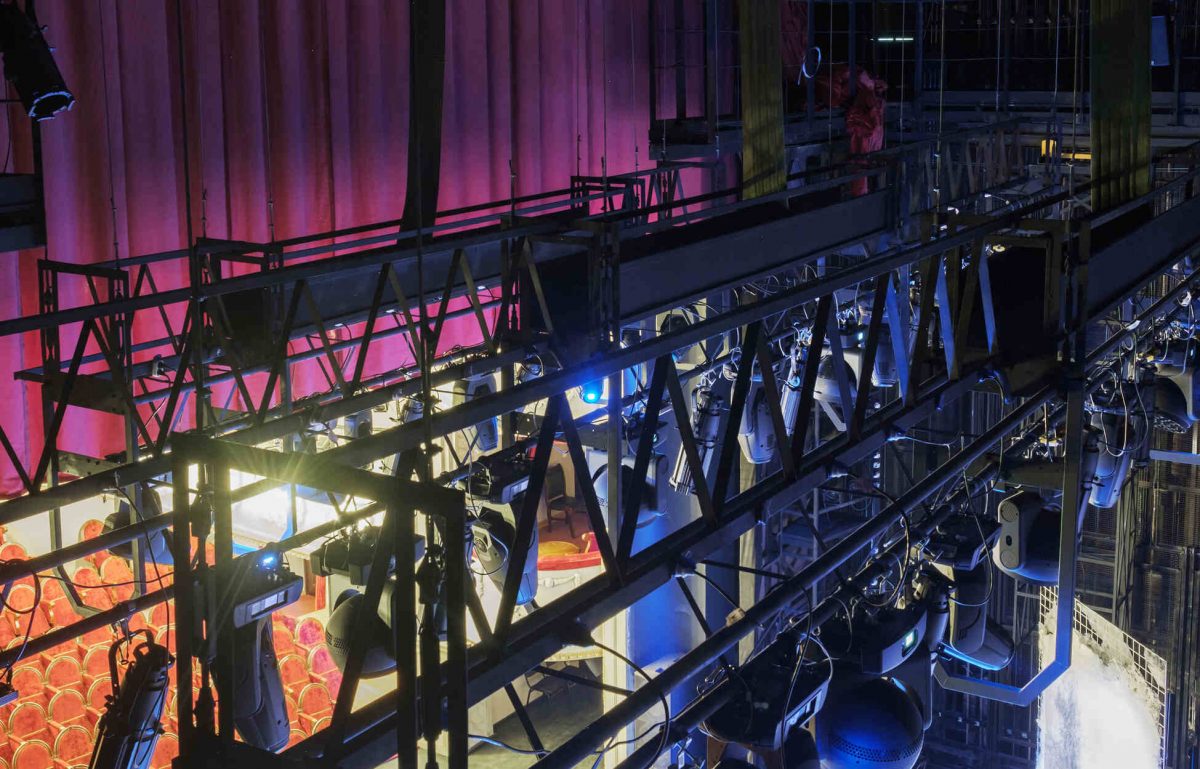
652	59
218	633
181	545
405	636
457	585
810	83
680	62
712	68
852	41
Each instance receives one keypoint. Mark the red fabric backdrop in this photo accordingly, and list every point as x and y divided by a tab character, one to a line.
297	113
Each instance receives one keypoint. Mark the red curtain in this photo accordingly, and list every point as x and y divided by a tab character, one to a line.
296	122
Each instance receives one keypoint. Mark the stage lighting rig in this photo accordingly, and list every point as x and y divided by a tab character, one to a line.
29	63
132	721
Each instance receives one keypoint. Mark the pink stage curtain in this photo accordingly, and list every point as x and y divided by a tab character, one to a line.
297	122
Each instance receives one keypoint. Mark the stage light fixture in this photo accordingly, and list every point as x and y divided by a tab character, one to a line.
592	392
29	64
132	721
259	584
344	622
155	546
1027	545
350	554
869	722
493	533
706	423
756	433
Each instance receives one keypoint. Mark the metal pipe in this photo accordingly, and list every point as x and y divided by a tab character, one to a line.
11	571
58	636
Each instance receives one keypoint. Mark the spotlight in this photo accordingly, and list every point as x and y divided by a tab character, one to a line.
1027	547
1123	435
486	436
380	657
132	720
776	691
259	584
869	722
155	546
350	555
756	433
706	423
650	501
29	65
492	536
592	392
972	636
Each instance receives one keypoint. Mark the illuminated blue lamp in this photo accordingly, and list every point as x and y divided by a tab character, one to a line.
268	560
592	392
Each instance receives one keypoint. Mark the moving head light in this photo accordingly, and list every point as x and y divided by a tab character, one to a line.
259	583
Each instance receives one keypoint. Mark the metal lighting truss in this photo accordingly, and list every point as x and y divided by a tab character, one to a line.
924	295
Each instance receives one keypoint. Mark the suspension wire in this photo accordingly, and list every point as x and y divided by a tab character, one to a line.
633	69
266	111
112	194
604	101
941	110
578	72
829	104
999	26
1074	115
903	61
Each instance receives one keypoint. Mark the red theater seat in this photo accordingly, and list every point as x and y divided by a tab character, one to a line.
96	597
67	708
322	668
295	737
95	665
34	754
160	615
61	613
22	598
27	721
11	551
165	751
86	576
115	573
52	589
310	633
320	723
29	683
313	704
284	643
73	744
63	672
294	673
7	631
97	698
91	529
